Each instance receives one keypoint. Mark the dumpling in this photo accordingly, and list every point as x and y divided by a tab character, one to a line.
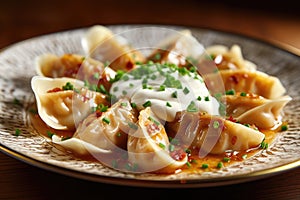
253	109
249	81
102	132
63	102
74	66
213	134
111	128
149	147
79	147
229	58
179	49
102	44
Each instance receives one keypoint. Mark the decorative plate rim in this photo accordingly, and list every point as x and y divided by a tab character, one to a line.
214	181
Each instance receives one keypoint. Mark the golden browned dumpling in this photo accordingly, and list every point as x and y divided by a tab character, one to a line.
109	130
149	147
74	66
213	134
256	110
64	102
180	48
101	131
229	58
100	43
248	81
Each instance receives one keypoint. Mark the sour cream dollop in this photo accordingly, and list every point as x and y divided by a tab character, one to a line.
167	89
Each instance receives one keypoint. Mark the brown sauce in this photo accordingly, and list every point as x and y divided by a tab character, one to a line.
195	164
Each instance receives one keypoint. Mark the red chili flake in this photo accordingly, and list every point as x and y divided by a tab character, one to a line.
72	69
233	140
129	65
178	154
231	119
152	128
234	79
98	113
57	89
85	98
105	81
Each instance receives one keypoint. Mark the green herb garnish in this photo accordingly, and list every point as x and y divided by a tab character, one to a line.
147	104
17	132
106	120
68	86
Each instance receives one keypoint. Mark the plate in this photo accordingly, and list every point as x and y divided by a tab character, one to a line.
16	71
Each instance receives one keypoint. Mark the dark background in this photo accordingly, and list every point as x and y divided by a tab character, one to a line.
275	21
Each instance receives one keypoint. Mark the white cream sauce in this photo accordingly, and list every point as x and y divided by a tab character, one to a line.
167	89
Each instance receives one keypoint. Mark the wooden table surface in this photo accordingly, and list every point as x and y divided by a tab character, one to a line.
268	21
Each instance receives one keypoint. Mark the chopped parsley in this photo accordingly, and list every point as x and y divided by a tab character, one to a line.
186	90
174	94
17	132
216	124
106	120
204	166
68	86
162	88
123	104
263	145
243	94
168	104
17	102
284	127
188	164
171	147
153	120
157	56
147	104
100	107
133	105
219	165
96	76
230	92
161	145
192	107
171	82
50	134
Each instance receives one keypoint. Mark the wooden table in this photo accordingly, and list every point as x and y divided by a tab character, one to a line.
21	20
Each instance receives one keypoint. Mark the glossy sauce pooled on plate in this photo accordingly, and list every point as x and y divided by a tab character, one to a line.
178	109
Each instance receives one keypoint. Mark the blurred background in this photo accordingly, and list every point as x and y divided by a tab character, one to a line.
273	21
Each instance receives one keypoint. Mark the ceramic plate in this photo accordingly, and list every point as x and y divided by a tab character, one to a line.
17	69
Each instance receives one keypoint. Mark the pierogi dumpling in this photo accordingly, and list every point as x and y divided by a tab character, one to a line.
63	102
109	130
248	81
179	49
213	134
74	66
229	58
253	109
102	44
101	132
149	147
